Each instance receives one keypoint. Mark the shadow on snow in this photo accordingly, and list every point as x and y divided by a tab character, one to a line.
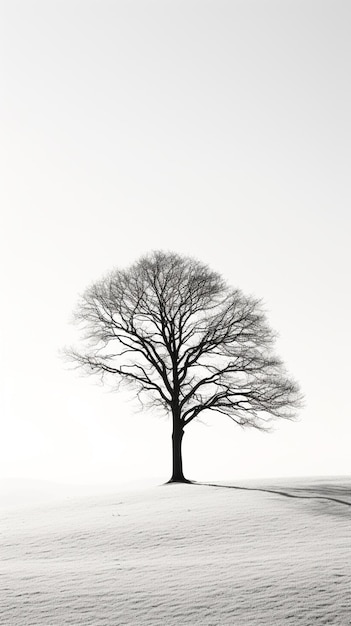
298	491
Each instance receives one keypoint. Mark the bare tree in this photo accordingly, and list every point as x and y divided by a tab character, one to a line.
187	342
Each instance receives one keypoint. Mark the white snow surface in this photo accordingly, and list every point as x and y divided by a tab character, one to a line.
245	554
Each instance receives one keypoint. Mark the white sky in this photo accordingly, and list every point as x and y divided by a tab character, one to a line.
219	129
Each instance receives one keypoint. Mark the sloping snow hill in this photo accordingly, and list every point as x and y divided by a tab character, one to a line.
253	554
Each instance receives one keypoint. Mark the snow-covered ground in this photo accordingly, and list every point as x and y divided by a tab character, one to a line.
242	555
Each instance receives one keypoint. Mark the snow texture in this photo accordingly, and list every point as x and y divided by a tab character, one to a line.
253	554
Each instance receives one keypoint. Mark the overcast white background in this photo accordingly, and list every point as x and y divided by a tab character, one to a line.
218	129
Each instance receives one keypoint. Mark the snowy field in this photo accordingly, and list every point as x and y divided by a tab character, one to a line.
260	553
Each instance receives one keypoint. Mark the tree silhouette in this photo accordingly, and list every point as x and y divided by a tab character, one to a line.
187	342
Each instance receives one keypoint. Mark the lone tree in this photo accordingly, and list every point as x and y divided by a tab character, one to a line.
187	342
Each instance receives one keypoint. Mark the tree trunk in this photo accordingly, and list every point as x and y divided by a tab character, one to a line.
177	437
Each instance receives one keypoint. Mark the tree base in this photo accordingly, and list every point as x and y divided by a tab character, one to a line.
178	480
